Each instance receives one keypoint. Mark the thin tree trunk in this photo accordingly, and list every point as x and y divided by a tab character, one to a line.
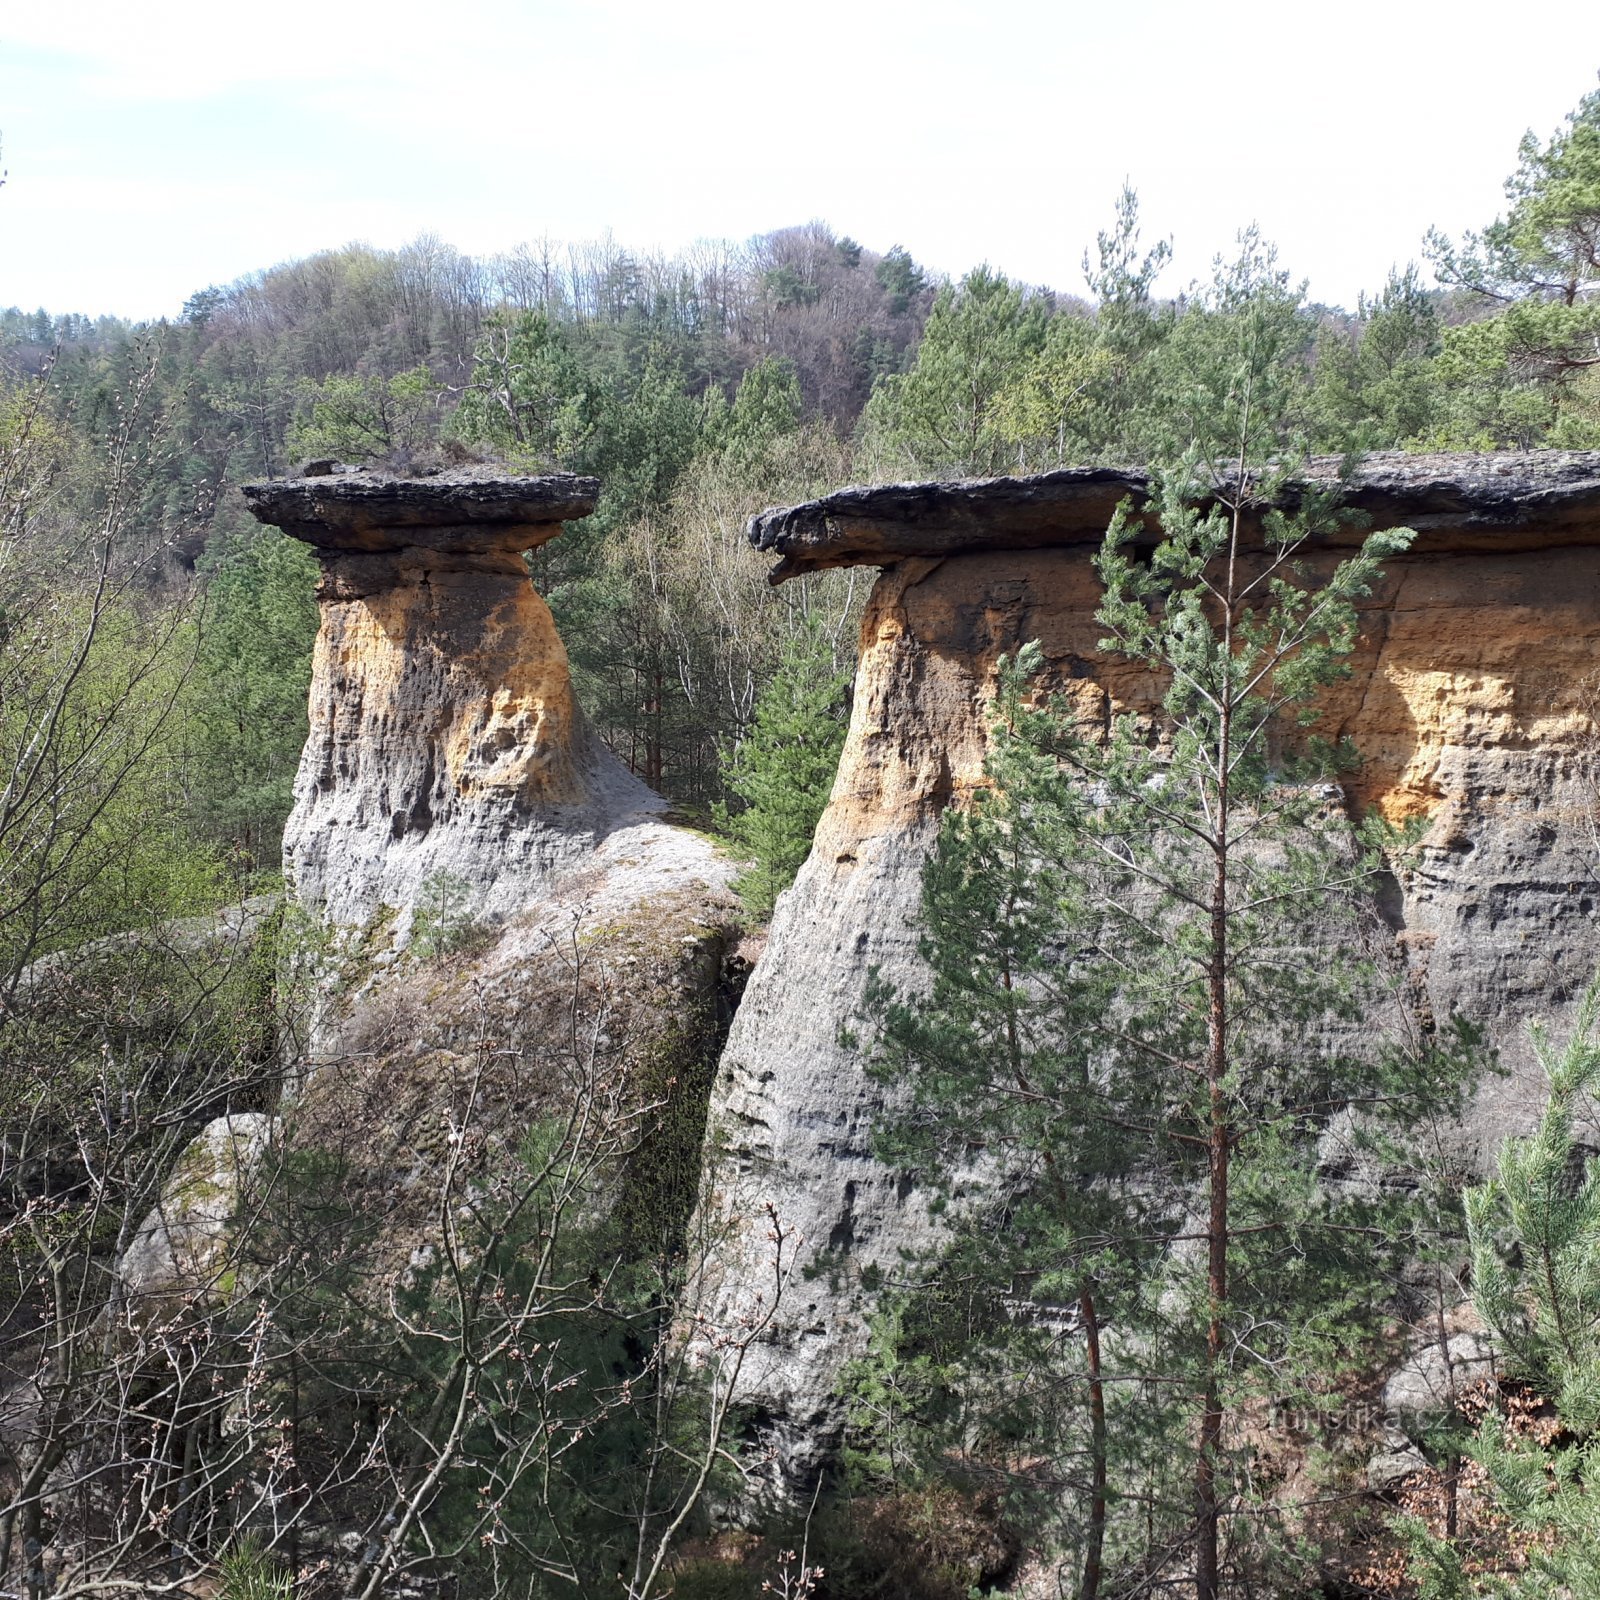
1207	1511
1094	1544
1208	1517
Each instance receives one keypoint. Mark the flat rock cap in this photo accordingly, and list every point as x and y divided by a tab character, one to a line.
355	509
1481	500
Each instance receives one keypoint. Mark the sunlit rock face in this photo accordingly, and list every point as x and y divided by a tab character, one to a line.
506	907
1471	700
445	745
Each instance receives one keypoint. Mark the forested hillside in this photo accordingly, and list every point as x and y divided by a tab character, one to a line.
698	390
155	657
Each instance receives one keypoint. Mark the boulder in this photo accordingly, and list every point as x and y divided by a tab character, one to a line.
181	1247
1428	1385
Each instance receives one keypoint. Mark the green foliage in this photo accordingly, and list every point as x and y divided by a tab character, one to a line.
1547	246
1051	412
783	769
1534	1229
442	921
247	702
901	279
1521	378
90	734
367	417
895	1395
1376	387
1526	374
248	1572
528	395
646	431
1087	393
940	416
1231	376
766	407
1535	1232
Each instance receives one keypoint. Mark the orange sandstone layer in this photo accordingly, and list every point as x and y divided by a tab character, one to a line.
1471	701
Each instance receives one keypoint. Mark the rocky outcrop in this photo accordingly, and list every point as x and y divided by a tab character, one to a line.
181	1249
1472	701
516	924
1482	501
446	748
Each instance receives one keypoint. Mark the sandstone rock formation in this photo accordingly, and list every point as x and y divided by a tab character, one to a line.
515	920
1472	701
181	1248
446	746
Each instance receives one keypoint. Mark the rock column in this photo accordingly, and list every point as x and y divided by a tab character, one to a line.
1472	701
446	748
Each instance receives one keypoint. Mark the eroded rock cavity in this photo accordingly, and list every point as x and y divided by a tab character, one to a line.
1472	701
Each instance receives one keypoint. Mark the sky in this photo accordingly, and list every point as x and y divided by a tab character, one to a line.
158	148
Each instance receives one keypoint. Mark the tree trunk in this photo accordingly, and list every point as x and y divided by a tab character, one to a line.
1094	1543
1208	1516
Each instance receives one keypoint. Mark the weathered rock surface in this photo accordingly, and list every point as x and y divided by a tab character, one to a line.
181	1248
446	748
1431	1382
519	928
1472	700
1492	500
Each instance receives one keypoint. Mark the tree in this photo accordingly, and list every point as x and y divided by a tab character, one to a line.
1535	1234
1534	1229
1000	1035
900	278
1375	387
684	634
1049	414
366	417
940	416
1146	962
1529	366
1086	394
93	679
783	769
1547	246
766	406
247	706
528	394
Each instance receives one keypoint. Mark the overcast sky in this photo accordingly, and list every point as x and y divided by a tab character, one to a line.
158	147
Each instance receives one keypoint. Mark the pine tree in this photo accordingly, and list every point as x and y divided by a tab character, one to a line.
1541	1211
1534	1229
1525	375
783	769
940	416
1146	972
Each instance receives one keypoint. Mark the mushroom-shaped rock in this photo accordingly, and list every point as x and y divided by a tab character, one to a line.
446	747
1470	701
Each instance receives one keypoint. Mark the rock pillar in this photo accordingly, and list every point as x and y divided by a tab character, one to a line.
445	746
1472	700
